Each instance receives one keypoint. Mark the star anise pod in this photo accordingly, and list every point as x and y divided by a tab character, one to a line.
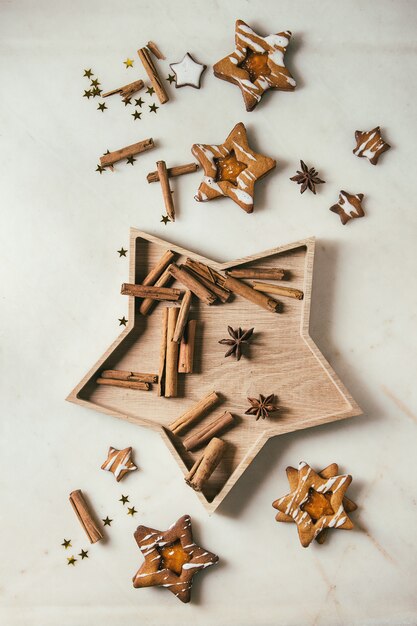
307	178
262	406
238	337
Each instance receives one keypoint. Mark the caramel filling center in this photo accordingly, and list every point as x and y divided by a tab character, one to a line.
173	557
317	504
256	64
229	168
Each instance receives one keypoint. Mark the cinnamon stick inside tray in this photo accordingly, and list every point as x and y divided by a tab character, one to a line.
136	377
177	170
153	75
288	292
126	91
159	268
191	282
206	464
171	367
182	316
207	277
150	291
194	413
85	516
269	273
244	290
163	353
123	153
186	353
208	431
126	384
166	189
148	303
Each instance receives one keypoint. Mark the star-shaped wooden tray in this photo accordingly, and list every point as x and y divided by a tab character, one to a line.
282	359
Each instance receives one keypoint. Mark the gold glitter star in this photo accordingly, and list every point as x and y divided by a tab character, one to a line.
95	82
150	91
107	152
128	62
83	554
130	160
122	251
153	108
131	511
100	169
107	521
122	321
66	543
127	101
124	499
139	102
165	219
101	106
88	73
96	92
171	79
87	93
71	560
137	115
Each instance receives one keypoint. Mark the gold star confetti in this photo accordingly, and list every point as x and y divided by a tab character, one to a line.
150	91
124	499
71	560
131	511
96	92
87	93
101	106
107	151
122	321
88	73
122	251
130	160
171	79
66	543
153	108
95	82
107	521
165	219
128	62
137	115
83	554
100	169
139	102
127	101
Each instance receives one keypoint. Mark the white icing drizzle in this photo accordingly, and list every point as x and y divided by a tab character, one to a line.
119	462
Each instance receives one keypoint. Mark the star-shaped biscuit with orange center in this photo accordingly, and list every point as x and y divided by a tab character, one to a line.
171	558
316	503
231	169
257	64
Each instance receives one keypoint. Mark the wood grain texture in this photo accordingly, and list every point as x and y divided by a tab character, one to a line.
282	359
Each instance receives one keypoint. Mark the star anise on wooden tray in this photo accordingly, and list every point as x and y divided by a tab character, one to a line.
307	178
262	406
238	337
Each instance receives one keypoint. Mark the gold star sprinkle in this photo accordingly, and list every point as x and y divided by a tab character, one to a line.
100	169
96	92
66	543
87	93
130	160
131	511
122	321
101	106
83	554
165	219
171	79
95	82
153	108
122	251
150	91
107	152
71	560
128	62
127	101
124	499
137	115
107	521
139	102
88	73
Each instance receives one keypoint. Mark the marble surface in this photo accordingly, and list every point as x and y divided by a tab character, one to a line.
60	275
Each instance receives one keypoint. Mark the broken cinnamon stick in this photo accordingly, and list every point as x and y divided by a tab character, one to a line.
192	283
279	290
182	316
136	377
159	268
149	303
270	273
155	50
163	353
244	290
194	413
208	272
177	170
127	384
123	153
166	189
186	354
126	91
84	515
150	291
207	432
153	75
206	464
203	276
171	368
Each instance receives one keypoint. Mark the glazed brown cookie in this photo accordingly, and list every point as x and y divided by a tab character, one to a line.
348	207
369	144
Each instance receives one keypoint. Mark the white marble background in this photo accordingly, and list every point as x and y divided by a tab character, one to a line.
61	225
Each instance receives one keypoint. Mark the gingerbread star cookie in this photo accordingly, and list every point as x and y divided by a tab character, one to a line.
171	558
348	207
231	169
119	462
328	472
316	503
257	64
369	144
188	72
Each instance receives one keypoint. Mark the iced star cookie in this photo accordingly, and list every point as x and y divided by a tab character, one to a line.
369	144
348	207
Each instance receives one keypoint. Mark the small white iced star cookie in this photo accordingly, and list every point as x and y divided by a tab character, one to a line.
188	72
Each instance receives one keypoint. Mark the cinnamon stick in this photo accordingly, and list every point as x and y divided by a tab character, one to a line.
206	464
208	431
84	515
193	267
148	303
163	353
153	75
123	153
127	384
194	413
166	189
186	355
126	91
192	283
151	291
244	290
171	371
270	273
279	290
159	268
182	316
155	50
177	170
137	377
206	271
